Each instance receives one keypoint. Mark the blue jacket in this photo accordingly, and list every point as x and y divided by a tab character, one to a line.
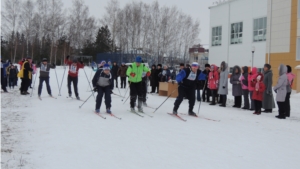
4	66
182	78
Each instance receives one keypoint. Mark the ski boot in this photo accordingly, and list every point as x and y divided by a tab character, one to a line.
191	113
132	110
97	111
77	97
175	112
145	104
108	111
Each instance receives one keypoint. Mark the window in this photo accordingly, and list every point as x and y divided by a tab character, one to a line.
236	33
298	50
298	8
196	59
216	36
260	29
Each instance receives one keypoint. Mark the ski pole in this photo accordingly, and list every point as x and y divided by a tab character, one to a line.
200	98
33	83
86	100
126	92
56	78
62	82
126	99
165	100
117	95
89	83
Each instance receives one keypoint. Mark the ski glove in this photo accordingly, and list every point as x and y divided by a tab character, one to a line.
132	74
148	74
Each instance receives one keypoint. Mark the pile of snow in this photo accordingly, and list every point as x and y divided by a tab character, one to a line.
55	133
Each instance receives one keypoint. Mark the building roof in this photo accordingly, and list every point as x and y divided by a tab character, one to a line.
220	2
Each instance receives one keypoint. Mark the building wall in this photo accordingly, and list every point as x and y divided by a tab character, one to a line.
238	54
283	49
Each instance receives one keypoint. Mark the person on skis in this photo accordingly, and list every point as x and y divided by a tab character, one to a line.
74	67
44	75
102	82
135	73
186	80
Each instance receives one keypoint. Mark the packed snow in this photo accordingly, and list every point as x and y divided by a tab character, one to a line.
57	134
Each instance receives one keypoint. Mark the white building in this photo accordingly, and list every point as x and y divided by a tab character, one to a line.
236	26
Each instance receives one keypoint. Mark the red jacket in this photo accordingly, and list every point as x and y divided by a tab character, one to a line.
258	95
252	75
213	78
73	69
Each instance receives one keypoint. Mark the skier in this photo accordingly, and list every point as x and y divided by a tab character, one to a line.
122	73
25	74
114	72
44	75
74	67
135	72
102	82
186	80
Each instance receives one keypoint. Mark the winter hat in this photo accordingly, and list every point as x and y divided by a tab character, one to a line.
268	66
258	77
106	67
289	69
109	61
45	59
159	65
138	59
207	65
123	63
181	64
195	64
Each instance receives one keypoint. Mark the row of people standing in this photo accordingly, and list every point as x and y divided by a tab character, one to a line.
257	86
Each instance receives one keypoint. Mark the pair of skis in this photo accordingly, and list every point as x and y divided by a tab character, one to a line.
139	113
49	96
180	118
112	115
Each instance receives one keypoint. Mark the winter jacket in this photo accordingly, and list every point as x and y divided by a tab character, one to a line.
282	82
268	102
252	75
213	78
258	95
3	68
114	71
138	71
154	76
73	70
26	71
244	78
200	83
164	75
99	74
122	71
188	79
223	82
45	69
235	81
290	77
13	72
158	72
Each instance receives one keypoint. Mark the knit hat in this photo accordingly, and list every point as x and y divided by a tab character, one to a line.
159	65
207	65
123	63
289	69
45	60
138	59
106	67
268	66
181	64
195	64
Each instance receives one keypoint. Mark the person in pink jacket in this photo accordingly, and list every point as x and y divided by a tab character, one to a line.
213	81
252	75
290	77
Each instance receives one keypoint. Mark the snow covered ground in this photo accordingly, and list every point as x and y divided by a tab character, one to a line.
56	134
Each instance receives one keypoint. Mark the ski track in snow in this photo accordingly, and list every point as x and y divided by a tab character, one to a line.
56	134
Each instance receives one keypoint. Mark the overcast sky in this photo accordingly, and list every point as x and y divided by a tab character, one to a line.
198	9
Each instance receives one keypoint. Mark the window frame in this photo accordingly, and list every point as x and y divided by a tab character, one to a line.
263	29
298	49
238	36
214	36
